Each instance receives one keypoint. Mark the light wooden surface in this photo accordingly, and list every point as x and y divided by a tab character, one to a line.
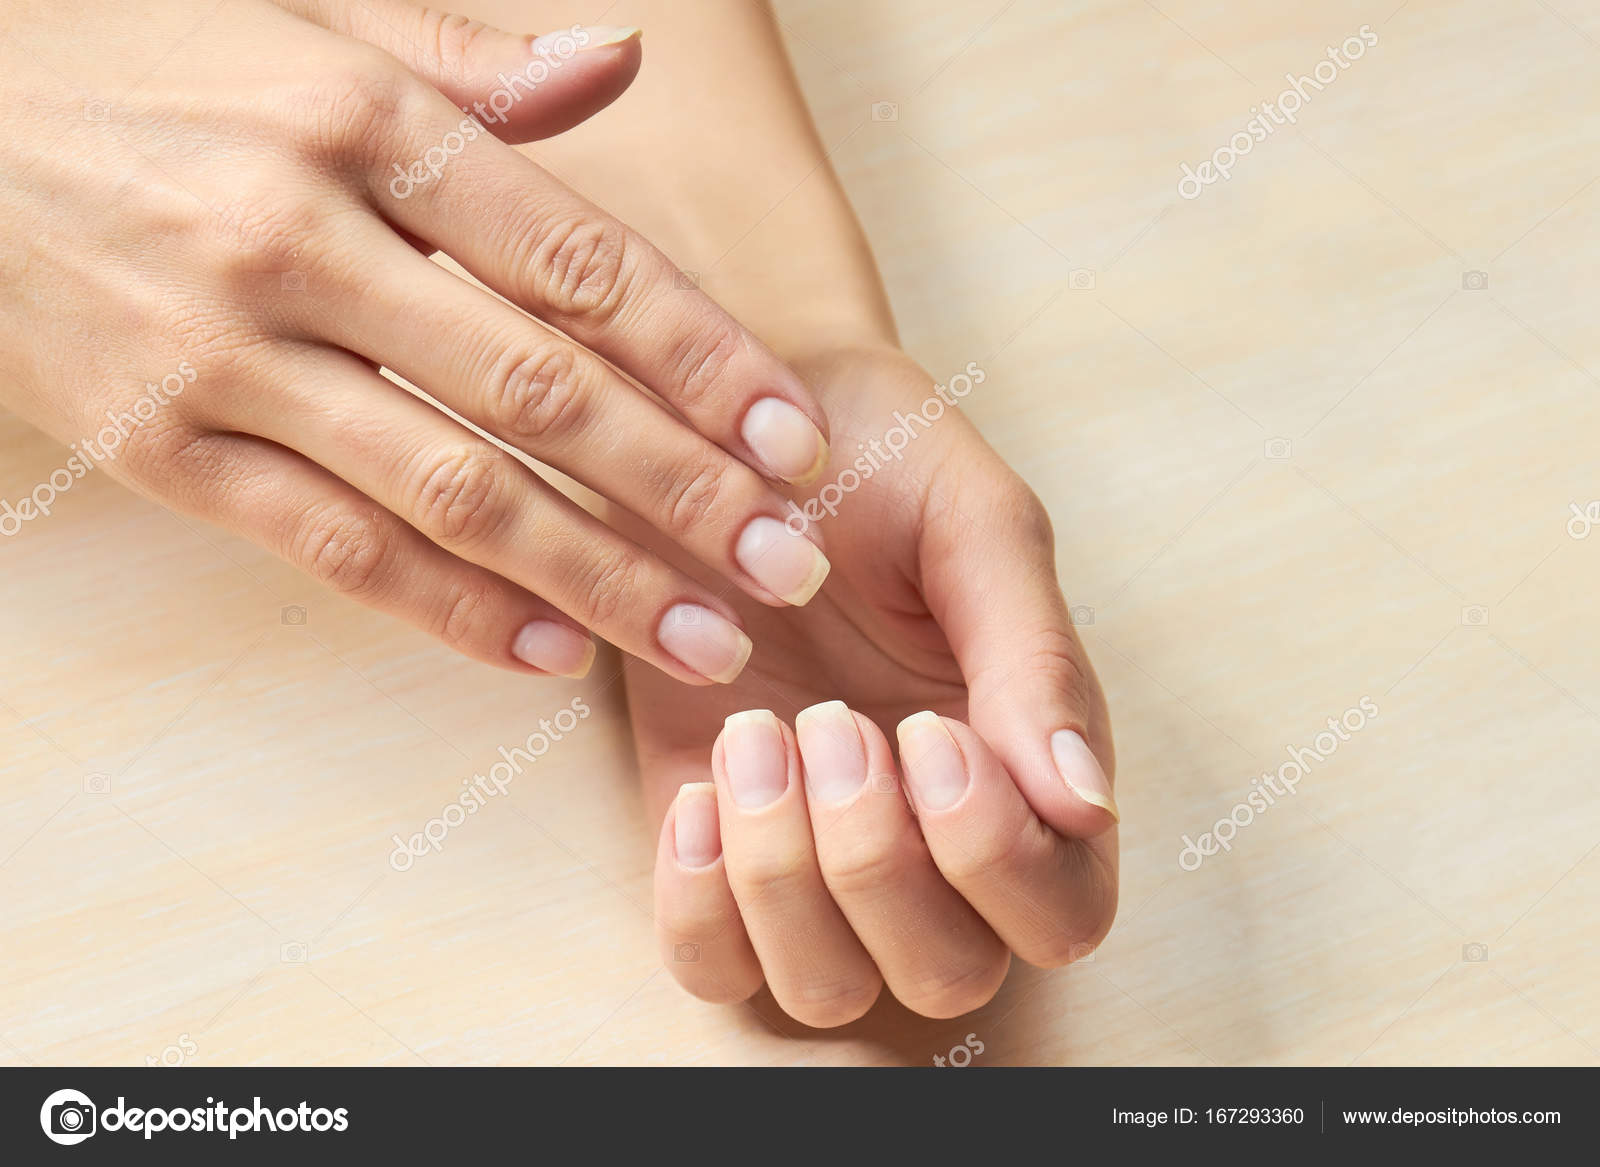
1437	436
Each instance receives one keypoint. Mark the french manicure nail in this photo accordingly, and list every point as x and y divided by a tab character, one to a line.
831	748
789	566
704	642
555	648
696	835
785	440
934	766
1081	771
602	35
755	758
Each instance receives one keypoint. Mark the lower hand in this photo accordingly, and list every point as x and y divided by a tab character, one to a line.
811	859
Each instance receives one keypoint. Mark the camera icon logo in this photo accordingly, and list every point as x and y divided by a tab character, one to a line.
1475	616
686	953
1278	449
67	1117
97	783
294	281
884	784
687	280
293	952
687	615
1081	615
294	616
1081	279
1474	281
1474	953
96	111
885	111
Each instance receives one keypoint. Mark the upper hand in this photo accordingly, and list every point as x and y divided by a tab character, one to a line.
216	225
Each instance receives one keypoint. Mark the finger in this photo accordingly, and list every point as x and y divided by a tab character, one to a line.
564	260
937	955
519	87
338	535
1032	694
698	928
816	968
1050	899
482	505
537	391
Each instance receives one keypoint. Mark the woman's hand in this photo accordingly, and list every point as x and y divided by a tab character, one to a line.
214	224
811	858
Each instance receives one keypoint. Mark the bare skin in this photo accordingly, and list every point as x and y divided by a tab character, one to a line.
943	598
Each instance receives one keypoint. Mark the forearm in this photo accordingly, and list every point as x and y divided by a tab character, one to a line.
712	154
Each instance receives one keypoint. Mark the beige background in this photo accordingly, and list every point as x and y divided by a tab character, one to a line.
1438	436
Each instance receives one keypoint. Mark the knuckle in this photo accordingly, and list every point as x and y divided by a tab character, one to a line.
611	585
268	230
951	990
452	37
170	453
345	551
827	1004
539	395
463	615
760	875
355	104
868	868
698	363
458	501
1026	513
692	499
998	855
581	268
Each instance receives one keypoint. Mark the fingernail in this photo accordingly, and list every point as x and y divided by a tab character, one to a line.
704	642
601	35
785	440
933	764
789	566
555	648
1081	771
696	836
831	748
755	758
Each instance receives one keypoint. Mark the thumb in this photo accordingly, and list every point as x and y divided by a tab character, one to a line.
989	574
520	87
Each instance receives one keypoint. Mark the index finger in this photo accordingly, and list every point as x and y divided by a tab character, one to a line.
566	261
